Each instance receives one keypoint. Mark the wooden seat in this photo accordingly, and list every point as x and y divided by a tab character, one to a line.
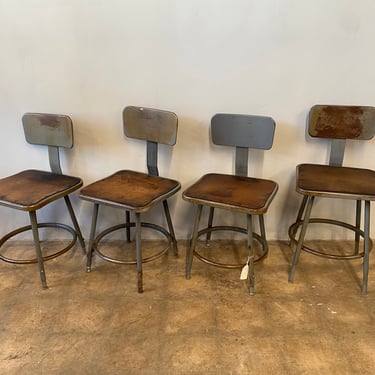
337	123
338	182
131	190
31	190
134	191
238	193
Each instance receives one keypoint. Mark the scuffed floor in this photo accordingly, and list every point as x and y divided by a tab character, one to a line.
97	323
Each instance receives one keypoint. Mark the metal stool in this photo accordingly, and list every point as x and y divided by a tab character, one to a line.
238	193
337	123
135	191
31	190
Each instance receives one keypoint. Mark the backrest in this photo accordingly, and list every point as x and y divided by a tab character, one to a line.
47	129
339	123
149	124
152	125
342	122
242	132
50	130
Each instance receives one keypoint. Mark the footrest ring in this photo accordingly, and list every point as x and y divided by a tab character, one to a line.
256	236
46	257
294	227
107	258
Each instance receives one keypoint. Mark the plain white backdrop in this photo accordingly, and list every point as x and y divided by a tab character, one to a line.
90	58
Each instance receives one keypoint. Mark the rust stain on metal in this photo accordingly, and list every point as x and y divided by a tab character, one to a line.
49	121
348	120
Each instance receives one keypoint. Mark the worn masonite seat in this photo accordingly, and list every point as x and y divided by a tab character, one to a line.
31	190
134	191
237	193
337	123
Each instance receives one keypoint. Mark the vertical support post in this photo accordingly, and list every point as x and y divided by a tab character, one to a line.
92	236
310	201
75	223
127	218
302	208
250	254
152	158
170	226
193	241
54	159
336	157
209	225
38	251
299	215
138	246
366	247
358	213
242	156
263	232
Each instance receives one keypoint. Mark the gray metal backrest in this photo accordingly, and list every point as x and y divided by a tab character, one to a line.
49	130
242	132
339	123
152	125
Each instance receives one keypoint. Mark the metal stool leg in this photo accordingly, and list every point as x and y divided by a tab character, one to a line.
210	221
34	226
366	247
75	223
193	241
300	213
170	226
92	236
127	217
310	201
250	254
138	251
263	232
357	224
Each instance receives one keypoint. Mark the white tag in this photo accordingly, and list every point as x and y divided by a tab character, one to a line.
244	272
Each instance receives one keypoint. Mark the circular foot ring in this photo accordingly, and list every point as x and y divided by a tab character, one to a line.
47	257
132	261
294	227
256	236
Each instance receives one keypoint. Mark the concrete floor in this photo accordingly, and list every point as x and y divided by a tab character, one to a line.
97	323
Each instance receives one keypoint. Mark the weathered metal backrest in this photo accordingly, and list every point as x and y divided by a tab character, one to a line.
342	122
242	132
50	130
339	123
152	125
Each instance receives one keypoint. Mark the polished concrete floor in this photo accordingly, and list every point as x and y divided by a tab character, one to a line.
97	323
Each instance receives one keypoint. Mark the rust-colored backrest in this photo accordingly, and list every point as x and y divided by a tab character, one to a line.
342	122
149	124
48	129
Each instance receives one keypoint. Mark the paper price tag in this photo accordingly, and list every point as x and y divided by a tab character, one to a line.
244	272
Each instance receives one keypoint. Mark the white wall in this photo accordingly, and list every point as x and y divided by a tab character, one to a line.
90	58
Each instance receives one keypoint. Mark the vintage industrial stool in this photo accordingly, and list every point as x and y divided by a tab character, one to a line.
337	123
136	192
31	190
238	193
